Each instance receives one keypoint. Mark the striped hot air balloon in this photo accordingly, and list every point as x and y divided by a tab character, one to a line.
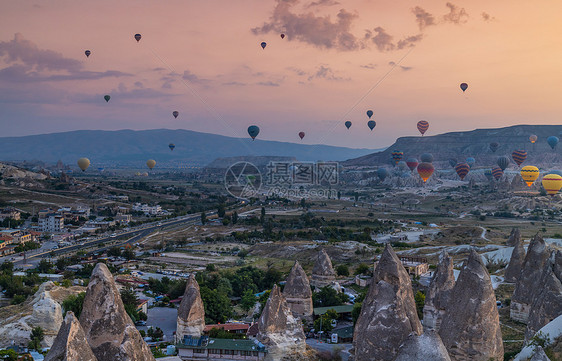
488	174
397	156
529	174
552	183
423	126
494	146
503	162
462	170
519	156
412	163
497	172
425	170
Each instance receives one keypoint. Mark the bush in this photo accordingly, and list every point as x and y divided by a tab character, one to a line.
342	270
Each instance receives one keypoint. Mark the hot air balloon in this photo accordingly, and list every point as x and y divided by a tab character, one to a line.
412	163
552	183
101	169
282	36
175	113
369	113
423	125
171	146
397	156
488	174
263	44
348	124
503	162
301	135
425	170
106	97
150	163
462	170
464	86
452	162
253	131
470	161
402	165
137	37
382	173
497	172
529	174
426	158
519	156
87	52
494	146
83	163
552	141
533	138
371	124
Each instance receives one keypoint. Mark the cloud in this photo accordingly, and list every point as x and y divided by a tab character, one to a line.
192	78
235	83
369	66
487	17
409	41
423	18
319	31
405	68
268	83
382	39
325	72
456	15
322	3
23	74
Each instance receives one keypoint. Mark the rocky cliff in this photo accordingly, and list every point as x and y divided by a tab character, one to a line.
71	343
191	313
438	293
298	294
427	347
517	257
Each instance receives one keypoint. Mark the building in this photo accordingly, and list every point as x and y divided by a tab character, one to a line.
9	213
216	349
229	327
142	306
16	236
415	266
147	210
51	223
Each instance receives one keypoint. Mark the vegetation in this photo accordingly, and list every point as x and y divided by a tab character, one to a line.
74	303
328	296
37	335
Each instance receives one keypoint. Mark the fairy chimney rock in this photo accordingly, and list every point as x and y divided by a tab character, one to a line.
439	292
513	270
426	347
70	343
191	313
323	273
298	294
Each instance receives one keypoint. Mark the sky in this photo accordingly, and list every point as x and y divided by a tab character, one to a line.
403	59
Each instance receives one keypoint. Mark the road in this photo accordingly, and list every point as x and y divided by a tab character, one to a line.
324	346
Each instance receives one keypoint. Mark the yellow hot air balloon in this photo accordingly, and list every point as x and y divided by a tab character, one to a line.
552	183
529	174
83	163
150	163
533	138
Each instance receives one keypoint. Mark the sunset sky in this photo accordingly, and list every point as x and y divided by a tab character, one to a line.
402	59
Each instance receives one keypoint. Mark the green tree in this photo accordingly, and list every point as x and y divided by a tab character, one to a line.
221	210
234	217
37	335
323	323
248	300
8	355
355	312
362	269
7	268
217	306
328	296
129	298
342	270
419	297
74	303
203	218
44	266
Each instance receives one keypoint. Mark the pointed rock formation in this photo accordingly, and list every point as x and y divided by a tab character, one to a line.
323	273
109	330
279	330
539	355
423	348
71	343
388	315
298	294
439	292
527	284
547	304
470	328
513	270
191	313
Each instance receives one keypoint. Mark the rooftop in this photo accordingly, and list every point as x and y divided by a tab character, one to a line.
339	309
222	344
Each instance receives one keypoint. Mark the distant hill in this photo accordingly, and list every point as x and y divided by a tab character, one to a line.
258	161
129	148
475	143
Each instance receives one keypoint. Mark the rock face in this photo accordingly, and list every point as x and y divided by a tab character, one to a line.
547	304
388	315
191	314
423	348
109	330
71	343
323	273
539	355
513	270
279	330
470	328
298	294
527	284
439	292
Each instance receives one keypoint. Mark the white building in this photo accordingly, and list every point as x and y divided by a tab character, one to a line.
51	223
147	210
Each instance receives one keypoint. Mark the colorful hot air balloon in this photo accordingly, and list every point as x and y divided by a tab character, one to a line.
348	124
253	131
494	146
552	183
462	170
397	156
171	146
552	141
301	135
503	162
497	172
412	163
533	138
426	158
138	37
150	163
519	156
369	113
83	163
425	170
106	97
382	173
470	161
87	52
263	44
282	36
452	162
529	174
371	124
464	86
175	113
423	126
488	174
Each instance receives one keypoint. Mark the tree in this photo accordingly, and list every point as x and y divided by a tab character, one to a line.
328	296
419	297
323	323
248	300
8	355
44	266
37	335
203	218
7	268
221	210
130	300
217	306
74	303
114	252
362	269
234	217
342	270
356	311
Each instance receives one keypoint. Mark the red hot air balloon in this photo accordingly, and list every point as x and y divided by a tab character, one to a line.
519	156
423	125
497	172
464	86
412	163
138	37
425	170
462	170
301	135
